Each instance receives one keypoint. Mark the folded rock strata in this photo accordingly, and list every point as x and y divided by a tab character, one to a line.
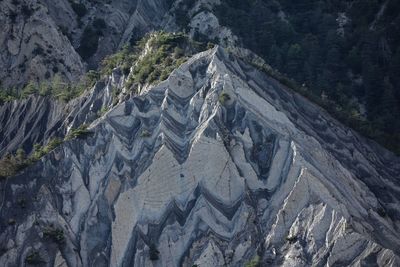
216	166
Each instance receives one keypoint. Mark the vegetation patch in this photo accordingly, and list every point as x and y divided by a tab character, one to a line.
34	258
11	164
349	115
80	132
224	97
9	94
344	56
102	111
123	59
40	151
255	262
164	52
56	88
145	134
55	234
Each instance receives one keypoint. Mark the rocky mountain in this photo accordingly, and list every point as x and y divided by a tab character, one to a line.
43	38
218	164
37	119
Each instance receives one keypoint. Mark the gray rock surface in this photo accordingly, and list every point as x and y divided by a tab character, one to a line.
40	38
38	119
207	179
32	47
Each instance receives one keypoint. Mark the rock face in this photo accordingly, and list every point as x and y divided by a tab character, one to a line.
216	166
38	119
42	38
32	45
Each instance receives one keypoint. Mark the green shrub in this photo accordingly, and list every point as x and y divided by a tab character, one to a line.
79	132
166	52
54	142
9	94
115	93
39	151
55	234
102	111
62	90
168	40
20	155
124	59
10	165
224	97
45	89
145	134
178	52
34	258
255	262
72	91
29	89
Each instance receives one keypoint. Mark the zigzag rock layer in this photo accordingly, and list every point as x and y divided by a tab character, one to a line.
216	166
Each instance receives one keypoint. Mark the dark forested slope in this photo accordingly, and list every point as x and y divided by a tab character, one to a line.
347	52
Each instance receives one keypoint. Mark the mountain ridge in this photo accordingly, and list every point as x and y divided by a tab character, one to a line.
171	157
149	177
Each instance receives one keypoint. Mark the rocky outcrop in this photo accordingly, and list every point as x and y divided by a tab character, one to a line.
42	38
33	48
37	119
216	166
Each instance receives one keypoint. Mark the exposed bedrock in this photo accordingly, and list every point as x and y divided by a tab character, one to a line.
43	38
37	119
183	175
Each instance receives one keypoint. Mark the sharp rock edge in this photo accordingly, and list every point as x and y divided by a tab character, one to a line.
208	182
